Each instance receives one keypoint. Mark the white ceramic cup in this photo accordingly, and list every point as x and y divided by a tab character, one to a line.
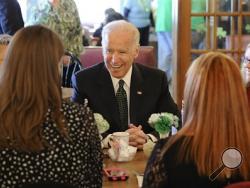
121	137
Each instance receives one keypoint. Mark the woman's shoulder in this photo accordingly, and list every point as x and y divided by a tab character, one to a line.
79	118
171	140
68	7
76	111
68	105
172	147
162	163
166	152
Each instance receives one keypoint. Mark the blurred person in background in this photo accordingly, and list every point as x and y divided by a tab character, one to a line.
4	41
110	15
245	65
216	117
138	12
44	139
198	27
62	17
245	68
11	18
163	28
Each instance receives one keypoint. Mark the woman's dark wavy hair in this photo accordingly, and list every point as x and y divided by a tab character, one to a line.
29	86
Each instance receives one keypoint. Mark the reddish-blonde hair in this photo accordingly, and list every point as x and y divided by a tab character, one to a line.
216	115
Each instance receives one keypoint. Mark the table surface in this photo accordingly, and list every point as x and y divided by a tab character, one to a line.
138	165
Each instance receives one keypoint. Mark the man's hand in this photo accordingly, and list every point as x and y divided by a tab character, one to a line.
137	137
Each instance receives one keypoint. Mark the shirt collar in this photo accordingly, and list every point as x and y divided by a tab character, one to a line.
126	78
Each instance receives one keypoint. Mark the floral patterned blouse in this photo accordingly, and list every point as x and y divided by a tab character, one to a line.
63	19
77	162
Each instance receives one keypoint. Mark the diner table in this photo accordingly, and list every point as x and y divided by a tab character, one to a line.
134	167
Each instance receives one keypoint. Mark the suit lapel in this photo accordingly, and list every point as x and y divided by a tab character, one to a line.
107	94
136	94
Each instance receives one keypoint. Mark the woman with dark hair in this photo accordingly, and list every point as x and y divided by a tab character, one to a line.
216	117
43	138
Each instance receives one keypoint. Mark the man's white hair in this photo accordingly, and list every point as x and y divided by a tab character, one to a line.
121	25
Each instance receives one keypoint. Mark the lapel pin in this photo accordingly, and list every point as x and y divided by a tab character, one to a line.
139	92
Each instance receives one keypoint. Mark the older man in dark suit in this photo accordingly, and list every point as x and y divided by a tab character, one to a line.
125	93
11	18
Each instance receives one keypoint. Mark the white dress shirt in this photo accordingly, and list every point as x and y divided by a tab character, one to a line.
127	80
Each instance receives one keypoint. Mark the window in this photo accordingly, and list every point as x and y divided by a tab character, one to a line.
94	12
208	25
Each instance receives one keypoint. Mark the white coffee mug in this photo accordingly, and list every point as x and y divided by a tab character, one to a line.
121	137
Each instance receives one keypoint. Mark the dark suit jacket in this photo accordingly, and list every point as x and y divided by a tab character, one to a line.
10	17
148	94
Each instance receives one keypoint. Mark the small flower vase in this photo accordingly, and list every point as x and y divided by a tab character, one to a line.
164	135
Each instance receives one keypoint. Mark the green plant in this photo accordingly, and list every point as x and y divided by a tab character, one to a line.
101	123
221	33
163	122
247	28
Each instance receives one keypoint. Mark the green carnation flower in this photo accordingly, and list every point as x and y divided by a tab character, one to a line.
163	122
101	123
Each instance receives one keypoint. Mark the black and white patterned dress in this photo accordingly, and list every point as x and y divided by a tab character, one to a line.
77	162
